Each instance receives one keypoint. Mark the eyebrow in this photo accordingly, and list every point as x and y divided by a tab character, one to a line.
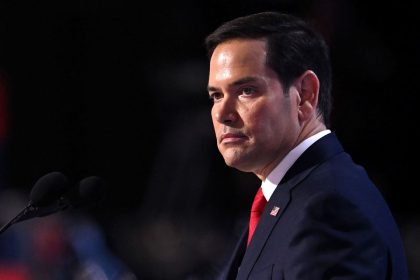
236	83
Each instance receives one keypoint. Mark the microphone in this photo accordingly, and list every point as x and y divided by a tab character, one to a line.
46	190
89	191
49	196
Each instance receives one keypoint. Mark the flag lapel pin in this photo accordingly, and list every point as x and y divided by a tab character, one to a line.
275	211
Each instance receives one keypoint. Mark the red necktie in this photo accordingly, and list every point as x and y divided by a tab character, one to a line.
256	212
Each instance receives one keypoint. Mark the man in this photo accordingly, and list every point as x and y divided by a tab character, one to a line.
270	81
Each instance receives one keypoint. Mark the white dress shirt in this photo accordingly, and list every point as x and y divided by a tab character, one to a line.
275	176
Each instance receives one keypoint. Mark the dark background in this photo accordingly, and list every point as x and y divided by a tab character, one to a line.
118	90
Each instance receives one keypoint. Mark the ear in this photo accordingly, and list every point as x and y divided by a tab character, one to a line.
308	88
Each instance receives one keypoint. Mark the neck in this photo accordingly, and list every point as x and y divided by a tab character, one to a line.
309	129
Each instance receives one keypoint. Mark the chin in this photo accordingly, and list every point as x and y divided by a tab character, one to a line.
236	158
231	162
237	164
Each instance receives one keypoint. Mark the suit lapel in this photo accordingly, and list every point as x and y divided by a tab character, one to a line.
272	213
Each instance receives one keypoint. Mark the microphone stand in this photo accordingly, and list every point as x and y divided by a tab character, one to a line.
32	211
23	215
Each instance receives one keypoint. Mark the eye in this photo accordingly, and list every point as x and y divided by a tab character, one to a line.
247	91
215	96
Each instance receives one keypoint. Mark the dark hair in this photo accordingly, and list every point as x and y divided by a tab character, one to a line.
292	48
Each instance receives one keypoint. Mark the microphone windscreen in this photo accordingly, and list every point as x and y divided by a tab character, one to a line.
48	189
89	190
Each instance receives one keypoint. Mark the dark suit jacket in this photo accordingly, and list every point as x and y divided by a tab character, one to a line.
333	223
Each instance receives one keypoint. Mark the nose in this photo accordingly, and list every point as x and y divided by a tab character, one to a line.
225	111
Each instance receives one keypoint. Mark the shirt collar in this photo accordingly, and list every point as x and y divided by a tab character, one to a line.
277	174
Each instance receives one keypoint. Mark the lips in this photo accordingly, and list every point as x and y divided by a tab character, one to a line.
232	138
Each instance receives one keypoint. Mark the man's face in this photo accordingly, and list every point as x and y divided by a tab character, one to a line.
256	125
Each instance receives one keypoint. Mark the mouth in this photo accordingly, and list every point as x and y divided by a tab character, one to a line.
231	138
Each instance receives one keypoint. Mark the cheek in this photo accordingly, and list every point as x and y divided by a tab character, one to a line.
267	125
260	120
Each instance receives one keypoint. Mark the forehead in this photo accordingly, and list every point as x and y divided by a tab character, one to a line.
238	56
